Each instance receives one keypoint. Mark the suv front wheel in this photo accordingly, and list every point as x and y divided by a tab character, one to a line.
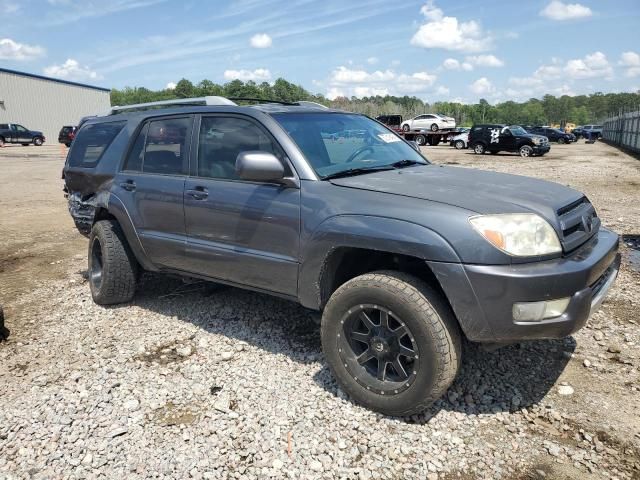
391	341
113	270
526	151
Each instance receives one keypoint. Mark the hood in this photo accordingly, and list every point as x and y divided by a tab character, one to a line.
474	190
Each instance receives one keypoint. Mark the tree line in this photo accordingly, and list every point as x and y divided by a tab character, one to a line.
579	109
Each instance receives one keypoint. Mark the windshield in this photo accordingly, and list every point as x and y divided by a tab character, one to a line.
337	142
517	130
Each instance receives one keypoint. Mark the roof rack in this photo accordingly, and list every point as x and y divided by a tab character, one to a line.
209	100
262	100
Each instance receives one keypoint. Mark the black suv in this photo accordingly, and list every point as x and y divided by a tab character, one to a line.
66	135
14	133
553	134
404	258
495	138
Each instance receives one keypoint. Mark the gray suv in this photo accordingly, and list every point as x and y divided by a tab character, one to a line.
404	258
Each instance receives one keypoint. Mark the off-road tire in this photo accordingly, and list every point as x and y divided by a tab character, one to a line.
459	144
119	268
432	325
479	148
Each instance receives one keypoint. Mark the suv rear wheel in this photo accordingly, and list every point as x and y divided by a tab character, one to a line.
526	151
113	270
391	341
479	148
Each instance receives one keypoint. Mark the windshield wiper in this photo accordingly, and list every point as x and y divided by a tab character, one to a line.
406	163
357	171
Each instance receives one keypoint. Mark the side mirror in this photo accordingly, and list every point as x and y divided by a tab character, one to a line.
259	167
414	145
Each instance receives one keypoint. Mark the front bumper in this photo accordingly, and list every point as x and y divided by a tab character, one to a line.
538	149
489	291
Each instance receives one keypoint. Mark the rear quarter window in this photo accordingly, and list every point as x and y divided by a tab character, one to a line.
91	143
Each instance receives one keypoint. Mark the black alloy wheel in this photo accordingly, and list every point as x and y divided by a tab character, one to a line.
378	349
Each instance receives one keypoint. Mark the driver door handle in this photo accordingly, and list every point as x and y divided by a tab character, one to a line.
198	193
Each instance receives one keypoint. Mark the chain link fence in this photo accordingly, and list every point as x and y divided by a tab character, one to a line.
623	130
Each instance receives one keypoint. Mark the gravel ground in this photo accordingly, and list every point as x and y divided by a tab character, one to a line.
202	381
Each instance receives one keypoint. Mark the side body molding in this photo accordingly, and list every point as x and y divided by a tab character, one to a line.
367	232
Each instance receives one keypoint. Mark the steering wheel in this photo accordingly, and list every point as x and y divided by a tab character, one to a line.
359	151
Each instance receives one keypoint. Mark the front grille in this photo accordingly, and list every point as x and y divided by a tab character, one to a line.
578	223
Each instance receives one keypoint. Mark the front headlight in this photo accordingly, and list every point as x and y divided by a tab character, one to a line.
537	140
518	234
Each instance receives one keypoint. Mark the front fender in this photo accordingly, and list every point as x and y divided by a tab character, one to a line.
366	232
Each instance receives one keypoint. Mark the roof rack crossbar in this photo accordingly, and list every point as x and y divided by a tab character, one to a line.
209	100
261	100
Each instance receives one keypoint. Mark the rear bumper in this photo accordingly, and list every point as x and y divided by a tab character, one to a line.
486	311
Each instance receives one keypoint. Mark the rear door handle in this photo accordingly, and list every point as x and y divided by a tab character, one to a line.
129	185
199	193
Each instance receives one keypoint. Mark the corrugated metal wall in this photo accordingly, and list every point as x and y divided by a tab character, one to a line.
623	130
46	105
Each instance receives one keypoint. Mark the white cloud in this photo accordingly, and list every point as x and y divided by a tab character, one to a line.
442	90
67	11
482	86
261	40
592	65
557	10
8	6
257	75
171	86
71	70
345	81
485	61
453	64
630	60
372	60
334	93
12	50
448	33
525	81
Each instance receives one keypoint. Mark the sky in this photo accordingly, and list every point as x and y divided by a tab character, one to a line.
436	50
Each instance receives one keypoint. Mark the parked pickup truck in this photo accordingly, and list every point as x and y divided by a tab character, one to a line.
14	133
403	258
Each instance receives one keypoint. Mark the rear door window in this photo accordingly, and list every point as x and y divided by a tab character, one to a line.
165	147
91	143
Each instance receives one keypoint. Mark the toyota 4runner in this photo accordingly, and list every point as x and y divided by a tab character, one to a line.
403	257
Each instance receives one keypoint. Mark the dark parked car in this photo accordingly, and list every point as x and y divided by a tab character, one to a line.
403	257
553	134
14	133
494	138
391	121
66	135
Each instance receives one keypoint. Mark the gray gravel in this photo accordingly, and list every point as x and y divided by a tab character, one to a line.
194	380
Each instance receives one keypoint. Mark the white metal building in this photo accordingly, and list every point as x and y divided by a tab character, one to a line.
47	104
